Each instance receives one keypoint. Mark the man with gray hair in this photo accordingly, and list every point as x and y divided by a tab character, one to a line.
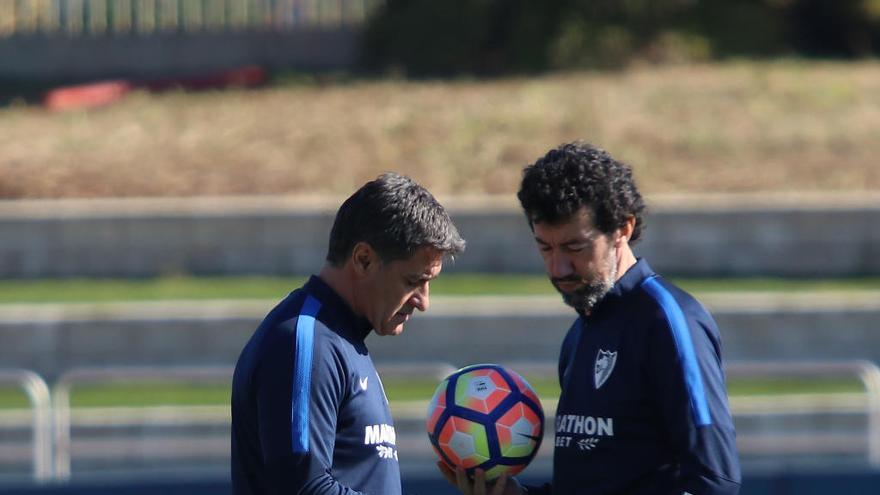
309	415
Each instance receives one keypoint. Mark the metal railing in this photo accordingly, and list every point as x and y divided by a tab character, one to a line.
866	371
145	17
38	394
44	445
80	376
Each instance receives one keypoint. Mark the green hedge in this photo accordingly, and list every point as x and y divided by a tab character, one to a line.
486	37
425	37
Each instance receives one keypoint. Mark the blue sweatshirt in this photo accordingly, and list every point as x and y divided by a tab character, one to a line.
309	415
643	406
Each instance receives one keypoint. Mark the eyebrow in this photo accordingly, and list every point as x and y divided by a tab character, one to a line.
568	243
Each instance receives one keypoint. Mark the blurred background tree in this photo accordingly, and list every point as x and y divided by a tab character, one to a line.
421	38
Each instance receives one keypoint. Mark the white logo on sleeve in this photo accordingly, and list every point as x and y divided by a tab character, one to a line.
605	362
363	382
384	438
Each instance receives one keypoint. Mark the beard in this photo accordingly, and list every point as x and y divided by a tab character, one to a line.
592	291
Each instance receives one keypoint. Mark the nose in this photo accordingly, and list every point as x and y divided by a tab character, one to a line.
559	265
420	300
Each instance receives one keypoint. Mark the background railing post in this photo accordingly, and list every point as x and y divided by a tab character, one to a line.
38	395
870	376
61	402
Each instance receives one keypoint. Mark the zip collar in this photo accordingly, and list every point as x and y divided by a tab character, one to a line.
336	313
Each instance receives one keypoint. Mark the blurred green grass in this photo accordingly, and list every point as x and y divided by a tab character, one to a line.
144	394
243	288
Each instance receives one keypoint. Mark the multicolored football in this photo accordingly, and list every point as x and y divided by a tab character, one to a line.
487	417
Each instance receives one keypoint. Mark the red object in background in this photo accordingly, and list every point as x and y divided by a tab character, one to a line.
86	95
243	77
106	92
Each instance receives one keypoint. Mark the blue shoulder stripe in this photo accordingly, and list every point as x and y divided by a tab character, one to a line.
687	356
302	375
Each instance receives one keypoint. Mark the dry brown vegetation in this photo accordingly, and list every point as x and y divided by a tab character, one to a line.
782	126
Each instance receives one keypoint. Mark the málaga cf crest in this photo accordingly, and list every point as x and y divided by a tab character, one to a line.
605	361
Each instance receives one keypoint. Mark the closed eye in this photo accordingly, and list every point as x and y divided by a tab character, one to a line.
417	282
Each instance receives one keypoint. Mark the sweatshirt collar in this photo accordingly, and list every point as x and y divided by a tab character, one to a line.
630	281
339	316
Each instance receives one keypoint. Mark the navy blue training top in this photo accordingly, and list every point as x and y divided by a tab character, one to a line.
309	414
643	406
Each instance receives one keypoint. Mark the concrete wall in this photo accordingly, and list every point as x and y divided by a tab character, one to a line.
43	58
53	339
724	235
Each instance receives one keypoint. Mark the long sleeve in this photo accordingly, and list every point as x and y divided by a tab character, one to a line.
689	388
308	412
544	489
298	396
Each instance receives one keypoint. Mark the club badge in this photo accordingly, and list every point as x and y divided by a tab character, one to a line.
605	361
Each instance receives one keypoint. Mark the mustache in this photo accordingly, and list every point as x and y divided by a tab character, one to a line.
570	278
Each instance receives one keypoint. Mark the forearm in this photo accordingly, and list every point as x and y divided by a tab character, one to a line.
544	489
301	476
326	485
705	483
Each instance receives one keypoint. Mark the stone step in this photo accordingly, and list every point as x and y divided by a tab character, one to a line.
701	235
53	338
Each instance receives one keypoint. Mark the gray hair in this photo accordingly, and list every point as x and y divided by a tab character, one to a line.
395	216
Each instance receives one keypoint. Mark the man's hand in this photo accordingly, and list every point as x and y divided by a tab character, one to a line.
459	479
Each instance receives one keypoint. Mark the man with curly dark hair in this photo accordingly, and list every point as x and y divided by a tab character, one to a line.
643	406
582	183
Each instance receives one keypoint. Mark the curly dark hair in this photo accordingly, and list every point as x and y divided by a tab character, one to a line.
575	175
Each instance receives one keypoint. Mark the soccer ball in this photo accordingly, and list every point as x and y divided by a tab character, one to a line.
485	417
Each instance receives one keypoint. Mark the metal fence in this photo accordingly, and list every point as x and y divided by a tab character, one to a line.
790	434
146	17
62	409
40	420
164	439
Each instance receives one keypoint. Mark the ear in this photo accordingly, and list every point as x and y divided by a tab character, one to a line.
625	231
363	258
